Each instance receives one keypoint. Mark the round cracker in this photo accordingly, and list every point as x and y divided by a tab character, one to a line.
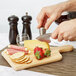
17	56
20	60
27	59
28	62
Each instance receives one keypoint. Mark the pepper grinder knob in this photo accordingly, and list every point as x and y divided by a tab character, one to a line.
13	19
26	25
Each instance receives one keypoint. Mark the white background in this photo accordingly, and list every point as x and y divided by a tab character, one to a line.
18	8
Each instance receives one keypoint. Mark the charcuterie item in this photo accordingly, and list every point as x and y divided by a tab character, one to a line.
31	44
17	56
17	47
12	51
30	60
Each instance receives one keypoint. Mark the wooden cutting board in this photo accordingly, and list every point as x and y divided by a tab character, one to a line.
55	56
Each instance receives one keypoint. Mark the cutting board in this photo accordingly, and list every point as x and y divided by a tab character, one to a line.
55	56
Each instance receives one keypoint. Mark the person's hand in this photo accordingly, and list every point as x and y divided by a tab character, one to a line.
49	14
65	31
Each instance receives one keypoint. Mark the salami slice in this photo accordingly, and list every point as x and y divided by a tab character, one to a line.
13	51
17	47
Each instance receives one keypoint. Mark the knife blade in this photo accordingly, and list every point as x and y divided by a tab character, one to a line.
45	37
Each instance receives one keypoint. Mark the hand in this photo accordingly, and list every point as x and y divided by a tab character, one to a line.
49	14
65	31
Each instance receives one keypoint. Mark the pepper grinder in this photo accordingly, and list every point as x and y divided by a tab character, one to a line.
13	32
26	25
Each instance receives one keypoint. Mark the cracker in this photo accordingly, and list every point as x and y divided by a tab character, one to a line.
17	56
27	58
20	60
28	62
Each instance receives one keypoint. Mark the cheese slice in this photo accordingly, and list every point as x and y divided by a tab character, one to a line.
31	44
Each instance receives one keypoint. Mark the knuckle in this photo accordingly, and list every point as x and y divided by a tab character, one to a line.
61	32
66	37
70	38
53	16
43	9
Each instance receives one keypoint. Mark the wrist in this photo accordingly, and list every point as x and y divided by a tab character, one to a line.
66	5
62	6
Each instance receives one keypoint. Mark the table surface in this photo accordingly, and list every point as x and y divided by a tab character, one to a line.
65	67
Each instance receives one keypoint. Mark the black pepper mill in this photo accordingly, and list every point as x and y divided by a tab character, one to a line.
26	25
13	32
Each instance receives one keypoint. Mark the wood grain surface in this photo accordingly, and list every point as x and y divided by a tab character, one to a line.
65	67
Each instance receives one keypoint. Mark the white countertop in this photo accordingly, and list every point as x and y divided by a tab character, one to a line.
7	71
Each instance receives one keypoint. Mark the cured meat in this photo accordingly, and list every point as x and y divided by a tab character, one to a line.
17	47
13	51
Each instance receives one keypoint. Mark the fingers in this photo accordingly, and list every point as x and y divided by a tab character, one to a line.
44	21
49	21
40	21
60	37
40	18
55	34
70	38
43	18
65	36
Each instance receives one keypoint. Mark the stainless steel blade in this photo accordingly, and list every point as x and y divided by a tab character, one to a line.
45	37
